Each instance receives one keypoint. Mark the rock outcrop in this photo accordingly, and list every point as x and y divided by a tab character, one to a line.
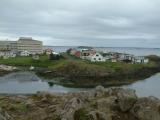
4	115
97	104
70	107
96	115
147	109
126	99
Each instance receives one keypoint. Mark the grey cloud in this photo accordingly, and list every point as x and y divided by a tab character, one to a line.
133	23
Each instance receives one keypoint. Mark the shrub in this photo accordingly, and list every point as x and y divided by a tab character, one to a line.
81	114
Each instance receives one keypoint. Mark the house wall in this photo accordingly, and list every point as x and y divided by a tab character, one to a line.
1	54
97	58
146	60
73	52
24	53
142	61
87	53
48	51
78	54
7	54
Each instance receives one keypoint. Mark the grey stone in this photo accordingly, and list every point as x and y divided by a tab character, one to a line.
70	107
96	115
147	109
126	99
109	103
4	115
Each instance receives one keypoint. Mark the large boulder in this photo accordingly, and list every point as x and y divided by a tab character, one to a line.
70	107
97	115
109	103
87	95
100	88
30	104
147	109
100	91
126	99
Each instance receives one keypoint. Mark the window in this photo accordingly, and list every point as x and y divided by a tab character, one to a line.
97	55
99	58
94	58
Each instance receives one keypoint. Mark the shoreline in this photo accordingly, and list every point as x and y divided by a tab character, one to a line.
90	83
78	73
112	103
85	82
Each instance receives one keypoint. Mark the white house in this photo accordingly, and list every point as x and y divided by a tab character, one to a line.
114	60
55	53
113	56
97	57
109	55
1	54
7	54
24	53
141	60
85	54
126	57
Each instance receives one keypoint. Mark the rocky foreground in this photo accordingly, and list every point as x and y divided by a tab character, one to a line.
98	104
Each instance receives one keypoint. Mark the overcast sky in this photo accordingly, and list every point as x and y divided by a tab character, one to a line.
111	23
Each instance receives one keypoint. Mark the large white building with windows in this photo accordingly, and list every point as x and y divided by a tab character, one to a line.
8	45
23	44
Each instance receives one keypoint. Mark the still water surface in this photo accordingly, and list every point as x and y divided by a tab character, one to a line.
28	82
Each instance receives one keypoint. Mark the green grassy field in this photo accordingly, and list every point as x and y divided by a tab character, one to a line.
27	61
86	73
45	62
42	62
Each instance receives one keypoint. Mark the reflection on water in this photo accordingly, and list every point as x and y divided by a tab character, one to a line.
147	87
28	82
51	84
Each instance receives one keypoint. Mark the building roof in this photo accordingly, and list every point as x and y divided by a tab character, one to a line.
139	57
28	39
96	53
25	38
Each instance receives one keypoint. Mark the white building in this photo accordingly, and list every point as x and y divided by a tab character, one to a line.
126	57
141	60
23	44
55	53
25	53
97	57
8	45
113	56
30	45
7	54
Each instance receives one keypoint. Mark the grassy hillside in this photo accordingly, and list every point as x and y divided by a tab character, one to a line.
82	72
27	61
